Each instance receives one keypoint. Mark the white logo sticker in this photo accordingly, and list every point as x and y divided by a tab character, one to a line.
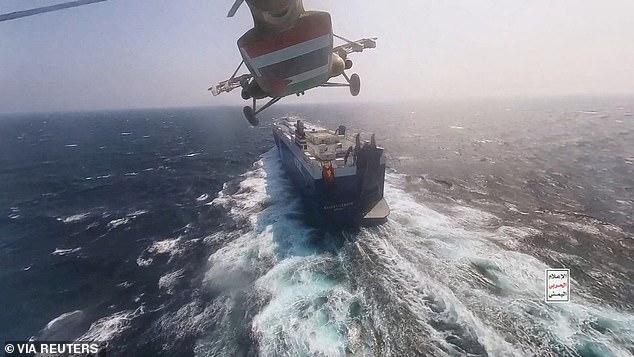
557	285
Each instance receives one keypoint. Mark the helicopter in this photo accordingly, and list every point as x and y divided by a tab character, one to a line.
288	51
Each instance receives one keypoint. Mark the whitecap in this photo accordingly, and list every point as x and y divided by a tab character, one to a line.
118	222
144	262
61	318
137	213
110	327
580	227
432	274
125	284
290	276
202	197
168	281
62	326
64	252
172	247
74	218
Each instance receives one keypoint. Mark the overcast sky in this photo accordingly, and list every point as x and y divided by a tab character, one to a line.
166	53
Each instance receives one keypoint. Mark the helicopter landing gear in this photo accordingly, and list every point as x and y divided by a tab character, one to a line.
355	84
250	113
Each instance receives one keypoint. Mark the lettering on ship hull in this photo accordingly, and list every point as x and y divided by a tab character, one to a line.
338	206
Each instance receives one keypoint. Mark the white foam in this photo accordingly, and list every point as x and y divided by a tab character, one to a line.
63	327
168	246
63	252
580	227
287	275
118	222
202	197
172	247
110	327
425	251
125	284
168	281
61	319
488	295
137	213
74	218
307	309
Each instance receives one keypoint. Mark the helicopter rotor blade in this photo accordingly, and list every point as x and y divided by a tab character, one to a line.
234	8
41	10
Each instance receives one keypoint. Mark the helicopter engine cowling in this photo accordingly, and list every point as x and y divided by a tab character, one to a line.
338	65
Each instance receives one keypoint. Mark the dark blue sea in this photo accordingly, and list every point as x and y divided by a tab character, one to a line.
175	232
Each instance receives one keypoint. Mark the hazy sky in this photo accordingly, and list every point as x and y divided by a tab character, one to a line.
159	53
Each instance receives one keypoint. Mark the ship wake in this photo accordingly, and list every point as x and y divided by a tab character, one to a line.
422	284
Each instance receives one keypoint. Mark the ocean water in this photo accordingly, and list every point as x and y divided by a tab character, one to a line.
176	232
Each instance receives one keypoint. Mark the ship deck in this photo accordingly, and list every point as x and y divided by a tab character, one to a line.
320	146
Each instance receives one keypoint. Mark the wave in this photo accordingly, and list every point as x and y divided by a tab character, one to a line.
426	283
62	327
471	290
64	252
202	197
110	327
118	222
74	218
171	247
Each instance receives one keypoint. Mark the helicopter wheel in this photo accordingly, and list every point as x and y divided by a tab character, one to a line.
355	84
245	94
348	64
249	114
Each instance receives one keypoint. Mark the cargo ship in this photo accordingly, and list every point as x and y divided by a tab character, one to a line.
340	178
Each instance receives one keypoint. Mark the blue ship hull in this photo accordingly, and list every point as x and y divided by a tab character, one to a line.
341	203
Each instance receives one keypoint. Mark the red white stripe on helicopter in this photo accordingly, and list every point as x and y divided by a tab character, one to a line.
291	51
288	53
